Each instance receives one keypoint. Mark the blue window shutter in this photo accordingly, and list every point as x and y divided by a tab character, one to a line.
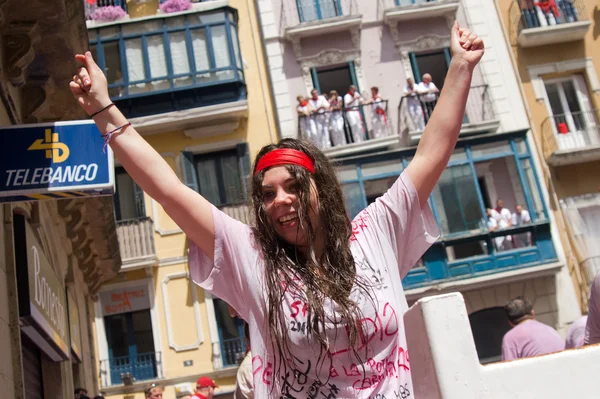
189	171
243	154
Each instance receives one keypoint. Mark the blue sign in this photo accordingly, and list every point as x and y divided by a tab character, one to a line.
54	160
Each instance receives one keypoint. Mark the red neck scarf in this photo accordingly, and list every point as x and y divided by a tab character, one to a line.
304	103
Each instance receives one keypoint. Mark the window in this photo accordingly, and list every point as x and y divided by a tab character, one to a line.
130	345
129	197
158	55
574	121
433	62
338	78
313	10
489	327
221	177
231	334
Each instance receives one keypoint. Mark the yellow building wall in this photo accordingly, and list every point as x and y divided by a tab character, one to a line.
569	180
258	129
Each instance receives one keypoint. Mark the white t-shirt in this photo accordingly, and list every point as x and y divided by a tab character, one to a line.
352	101
424	88
244	387
388	238
523	218
504	217
321	101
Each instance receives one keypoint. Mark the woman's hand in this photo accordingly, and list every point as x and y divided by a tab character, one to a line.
89	86
466	46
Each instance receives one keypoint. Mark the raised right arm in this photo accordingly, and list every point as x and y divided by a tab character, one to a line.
191	212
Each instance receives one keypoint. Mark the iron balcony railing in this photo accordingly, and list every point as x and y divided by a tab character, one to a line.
528	14
416	109
570	131
136	240
348	125
296	12
232	350
141	367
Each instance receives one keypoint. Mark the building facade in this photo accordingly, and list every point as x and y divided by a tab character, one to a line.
335	44
195	85
555	50
54	254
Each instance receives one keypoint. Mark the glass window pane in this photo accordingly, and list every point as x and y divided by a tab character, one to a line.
175	22
457	202
142	331
147	26
207	179
180	58
482	150
125	196
231	178
134	55
354	198
236	48
376	188
200	49
307	10
220	46
206	18
377	168
113	68
466	250
156	56
110	32
521	146
537	213
347	173
499	180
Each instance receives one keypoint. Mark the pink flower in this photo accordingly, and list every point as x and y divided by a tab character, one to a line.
175	6
108	14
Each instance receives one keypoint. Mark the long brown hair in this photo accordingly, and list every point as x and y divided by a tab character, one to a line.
331	276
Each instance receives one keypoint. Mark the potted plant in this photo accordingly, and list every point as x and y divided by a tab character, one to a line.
170	6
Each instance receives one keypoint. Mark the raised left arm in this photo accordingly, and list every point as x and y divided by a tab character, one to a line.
441	133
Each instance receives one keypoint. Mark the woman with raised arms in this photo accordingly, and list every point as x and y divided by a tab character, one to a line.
322	294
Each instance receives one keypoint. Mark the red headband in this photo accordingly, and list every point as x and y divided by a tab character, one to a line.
285	156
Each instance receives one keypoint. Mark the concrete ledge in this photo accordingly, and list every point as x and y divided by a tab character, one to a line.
562	33
574	156
365	146
324	26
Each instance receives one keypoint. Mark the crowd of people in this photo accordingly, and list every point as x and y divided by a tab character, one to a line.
421	99
330	120
500	218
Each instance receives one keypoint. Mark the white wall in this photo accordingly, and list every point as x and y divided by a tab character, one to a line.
444	361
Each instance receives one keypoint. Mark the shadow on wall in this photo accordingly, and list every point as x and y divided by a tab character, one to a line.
596	22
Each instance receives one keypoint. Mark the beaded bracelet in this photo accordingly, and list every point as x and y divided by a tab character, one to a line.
102	110
108	136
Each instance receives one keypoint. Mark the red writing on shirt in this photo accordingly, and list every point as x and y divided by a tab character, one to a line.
384	325
359	224
297	307
389	367
267	372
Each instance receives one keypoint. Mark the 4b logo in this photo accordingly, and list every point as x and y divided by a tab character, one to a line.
55	150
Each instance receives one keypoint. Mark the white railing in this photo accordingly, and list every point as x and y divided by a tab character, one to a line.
136	241
444	362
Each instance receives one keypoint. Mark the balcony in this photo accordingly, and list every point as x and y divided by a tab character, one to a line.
411	10
571	138
142	367
351	130
136	243
175	70
558	22
415	110
233	351
305	18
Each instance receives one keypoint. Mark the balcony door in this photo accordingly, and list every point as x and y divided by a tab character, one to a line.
314	10
130	345
571	112
231	334
129	197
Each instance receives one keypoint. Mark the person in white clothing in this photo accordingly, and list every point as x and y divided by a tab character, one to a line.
304	275
519	218
496	222
304	120
336	119
504	213
428	94
414	105
379	119
352	102
319	106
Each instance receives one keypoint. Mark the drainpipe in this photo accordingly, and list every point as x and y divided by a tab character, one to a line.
545	169
268	85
